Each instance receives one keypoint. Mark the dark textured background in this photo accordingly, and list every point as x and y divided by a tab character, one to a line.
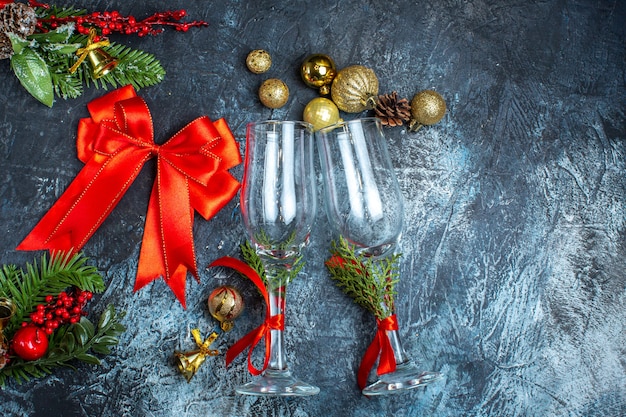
513	274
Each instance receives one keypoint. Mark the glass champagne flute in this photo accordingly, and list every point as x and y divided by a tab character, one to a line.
364	206
278	203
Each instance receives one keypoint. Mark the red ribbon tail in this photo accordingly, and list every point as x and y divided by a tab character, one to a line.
368	361
251	339
387	360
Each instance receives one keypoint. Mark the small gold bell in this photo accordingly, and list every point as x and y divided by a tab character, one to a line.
101	62
7	310
189	362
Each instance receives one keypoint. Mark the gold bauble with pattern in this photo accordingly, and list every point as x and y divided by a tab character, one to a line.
274	93
259	61
225	305
321	112
318	71
355	89
427	108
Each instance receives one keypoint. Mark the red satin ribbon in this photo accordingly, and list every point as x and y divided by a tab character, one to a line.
192	174
276	322
380	346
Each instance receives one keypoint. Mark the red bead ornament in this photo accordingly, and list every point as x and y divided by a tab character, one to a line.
67	307
114	22
30	343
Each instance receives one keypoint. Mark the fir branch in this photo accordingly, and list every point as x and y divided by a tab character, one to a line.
29	287
282	277
370	283
69	343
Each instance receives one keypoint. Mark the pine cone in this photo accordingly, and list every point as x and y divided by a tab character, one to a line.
393	111
17	18
6	48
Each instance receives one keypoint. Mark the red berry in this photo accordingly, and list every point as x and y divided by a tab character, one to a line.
30	343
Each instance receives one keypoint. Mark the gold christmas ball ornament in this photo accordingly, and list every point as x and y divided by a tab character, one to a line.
274	93
355	89
321	112
427	108
225	305
259	61
318	71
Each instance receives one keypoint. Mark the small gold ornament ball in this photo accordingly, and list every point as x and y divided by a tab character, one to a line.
274	93
427	108
318	71
225	304
321	112
259	61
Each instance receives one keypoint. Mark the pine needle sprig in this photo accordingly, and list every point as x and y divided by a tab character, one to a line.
29	287
283	277
369	282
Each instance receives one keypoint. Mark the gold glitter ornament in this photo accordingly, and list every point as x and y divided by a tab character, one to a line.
355	89
259	61
274	93
427	108
318	71
225	305
321	112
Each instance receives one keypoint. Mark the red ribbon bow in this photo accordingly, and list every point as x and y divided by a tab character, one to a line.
276	322
192	174
380	346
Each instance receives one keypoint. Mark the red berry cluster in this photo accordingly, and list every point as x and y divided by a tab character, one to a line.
65	308
113	22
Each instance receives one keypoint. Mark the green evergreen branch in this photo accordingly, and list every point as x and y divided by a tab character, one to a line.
370	283
29	287
42	62
284	277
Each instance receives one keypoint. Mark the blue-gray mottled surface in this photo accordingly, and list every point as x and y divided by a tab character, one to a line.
514	251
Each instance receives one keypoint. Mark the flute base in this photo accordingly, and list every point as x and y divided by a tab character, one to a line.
276	383
406	376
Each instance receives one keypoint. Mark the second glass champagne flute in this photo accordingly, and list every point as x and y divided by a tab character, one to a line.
364	207
278	202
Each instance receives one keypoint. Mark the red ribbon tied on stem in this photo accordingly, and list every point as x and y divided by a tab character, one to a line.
380	346
192	175
275	322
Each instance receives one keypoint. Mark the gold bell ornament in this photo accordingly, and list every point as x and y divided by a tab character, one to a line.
101	61
321	112
427	108
318	71
225	305
7	310
355	89
189	362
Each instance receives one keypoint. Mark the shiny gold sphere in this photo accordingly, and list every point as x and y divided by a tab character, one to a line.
355	89
427	108
259	61
318	71
321	112
225	305
274	93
